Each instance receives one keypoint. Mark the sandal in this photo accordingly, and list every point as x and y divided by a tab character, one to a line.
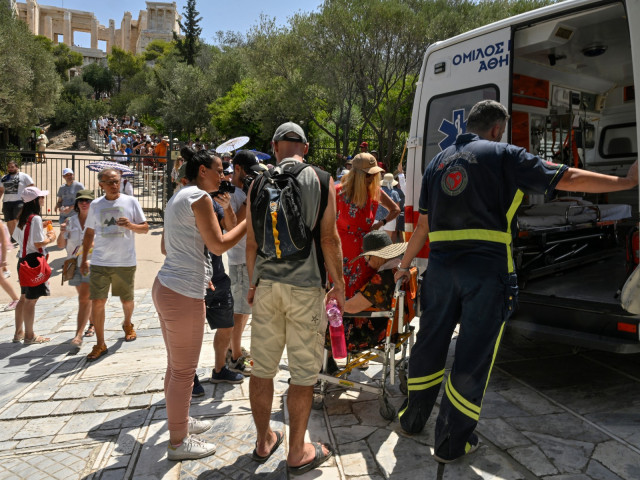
91	331
36	340
97	352
260	458
18	338
11	306
129	333
76	343
318	460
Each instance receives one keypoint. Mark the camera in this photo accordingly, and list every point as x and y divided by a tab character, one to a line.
246	182
225	187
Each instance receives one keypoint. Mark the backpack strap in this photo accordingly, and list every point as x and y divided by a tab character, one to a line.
324	178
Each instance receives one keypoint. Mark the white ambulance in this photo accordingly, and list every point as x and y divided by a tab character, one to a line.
566	73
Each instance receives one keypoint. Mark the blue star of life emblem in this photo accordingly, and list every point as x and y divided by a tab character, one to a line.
452	129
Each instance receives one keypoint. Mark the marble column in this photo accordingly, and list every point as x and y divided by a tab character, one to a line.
111	35
67	31
94	33
48	27
126	31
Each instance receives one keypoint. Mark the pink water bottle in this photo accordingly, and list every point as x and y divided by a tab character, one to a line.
336	329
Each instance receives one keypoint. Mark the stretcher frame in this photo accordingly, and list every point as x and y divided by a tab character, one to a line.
384	353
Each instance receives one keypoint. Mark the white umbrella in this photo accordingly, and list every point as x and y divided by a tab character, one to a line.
231	145
101	165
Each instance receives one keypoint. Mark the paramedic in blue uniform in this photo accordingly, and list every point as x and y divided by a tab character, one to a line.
469	197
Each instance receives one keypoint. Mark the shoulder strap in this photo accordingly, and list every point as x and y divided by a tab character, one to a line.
323	177
27	230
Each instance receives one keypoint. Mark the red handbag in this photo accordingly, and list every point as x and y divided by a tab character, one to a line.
33	269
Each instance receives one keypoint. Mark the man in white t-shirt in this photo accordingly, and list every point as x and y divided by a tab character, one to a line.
112	221
11	187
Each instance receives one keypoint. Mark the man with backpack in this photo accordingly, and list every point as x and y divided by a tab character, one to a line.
291	237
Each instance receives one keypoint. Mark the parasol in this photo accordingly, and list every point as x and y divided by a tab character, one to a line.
231	145
99	166
128	130
261	155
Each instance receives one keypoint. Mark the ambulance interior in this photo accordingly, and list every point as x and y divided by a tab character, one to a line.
573	102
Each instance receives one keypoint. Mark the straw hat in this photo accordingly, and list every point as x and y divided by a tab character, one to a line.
378	244
388	180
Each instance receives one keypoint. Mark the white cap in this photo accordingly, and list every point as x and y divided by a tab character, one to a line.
66	171
31	193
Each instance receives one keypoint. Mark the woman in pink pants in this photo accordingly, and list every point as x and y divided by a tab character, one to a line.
190	229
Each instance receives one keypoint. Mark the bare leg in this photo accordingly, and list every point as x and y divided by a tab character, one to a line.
261	398
84	311
220	344
28	315
299	400
127	308
97	307
19	316
239	322
11	225
7	287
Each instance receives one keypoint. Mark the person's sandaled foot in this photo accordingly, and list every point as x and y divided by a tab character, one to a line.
91	331
76	342
129	333
318	460
97	352
261	459
36	340
18	337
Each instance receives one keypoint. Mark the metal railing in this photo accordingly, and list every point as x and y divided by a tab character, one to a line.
151	182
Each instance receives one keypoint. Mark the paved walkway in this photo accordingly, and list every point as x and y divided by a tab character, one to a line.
64	418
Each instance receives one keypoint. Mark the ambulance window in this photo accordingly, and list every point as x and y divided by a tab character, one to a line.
446	118
619	141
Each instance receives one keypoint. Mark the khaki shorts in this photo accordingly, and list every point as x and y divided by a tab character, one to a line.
292	316
121	280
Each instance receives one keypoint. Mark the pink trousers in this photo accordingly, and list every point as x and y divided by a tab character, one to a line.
182	322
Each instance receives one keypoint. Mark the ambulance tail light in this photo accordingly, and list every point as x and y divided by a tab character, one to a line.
627	327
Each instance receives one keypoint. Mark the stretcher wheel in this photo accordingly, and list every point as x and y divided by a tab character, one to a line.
318	401
386	410
402	377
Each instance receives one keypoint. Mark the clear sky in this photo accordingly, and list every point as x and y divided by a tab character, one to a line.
225	15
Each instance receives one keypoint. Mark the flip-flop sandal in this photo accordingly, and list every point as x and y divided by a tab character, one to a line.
91	331
318	460
36	340
18	338
76	344
260	458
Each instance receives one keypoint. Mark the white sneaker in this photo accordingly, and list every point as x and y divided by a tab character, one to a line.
199	426
190	449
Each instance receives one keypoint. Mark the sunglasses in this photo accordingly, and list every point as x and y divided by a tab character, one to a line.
83	200
371	175
111	182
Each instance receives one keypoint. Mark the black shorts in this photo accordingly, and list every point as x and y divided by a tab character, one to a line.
219	304
11	210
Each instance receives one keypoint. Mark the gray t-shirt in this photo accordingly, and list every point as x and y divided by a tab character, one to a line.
68	193
237	254
302	273
187	268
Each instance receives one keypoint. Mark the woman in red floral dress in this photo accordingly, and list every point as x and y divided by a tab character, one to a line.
357	199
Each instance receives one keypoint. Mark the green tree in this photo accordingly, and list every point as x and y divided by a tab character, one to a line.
65	58
99	77
76	113
76	88
189	45
231	114
156	49
123	64
29	83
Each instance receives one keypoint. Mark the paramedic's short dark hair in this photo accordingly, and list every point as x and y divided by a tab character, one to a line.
485	114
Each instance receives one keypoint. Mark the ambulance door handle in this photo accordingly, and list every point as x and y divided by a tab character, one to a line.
414	142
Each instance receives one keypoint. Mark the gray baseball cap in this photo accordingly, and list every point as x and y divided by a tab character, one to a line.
288	131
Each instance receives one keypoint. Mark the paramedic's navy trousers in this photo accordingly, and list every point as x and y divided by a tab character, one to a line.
473	290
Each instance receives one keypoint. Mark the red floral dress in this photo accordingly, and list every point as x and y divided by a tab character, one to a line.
353	224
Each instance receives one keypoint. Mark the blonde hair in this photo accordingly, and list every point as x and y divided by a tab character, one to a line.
354	185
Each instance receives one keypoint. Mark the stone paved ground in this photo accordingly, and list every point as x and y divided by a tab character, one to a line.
64	418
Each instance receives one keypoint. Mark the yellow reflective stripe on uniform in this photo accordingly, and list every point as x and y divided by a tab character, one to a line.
422	383
470	234
465	406
495	354
515	203
274	227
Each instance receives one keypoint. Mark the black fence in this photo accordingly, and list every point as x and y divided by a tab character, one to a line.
151	180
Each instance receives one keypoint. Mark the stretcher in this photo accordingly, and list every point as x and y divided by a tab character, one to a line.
556	236
392	352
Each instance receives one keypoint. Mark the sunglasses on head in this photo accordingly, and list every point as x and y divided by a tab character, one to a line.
292	139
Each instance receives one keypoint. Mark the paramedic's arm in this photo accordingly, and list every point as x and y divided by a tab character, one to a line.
332	248
209	228
87	242
251	252
391	206
357	303
577	180
417	241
